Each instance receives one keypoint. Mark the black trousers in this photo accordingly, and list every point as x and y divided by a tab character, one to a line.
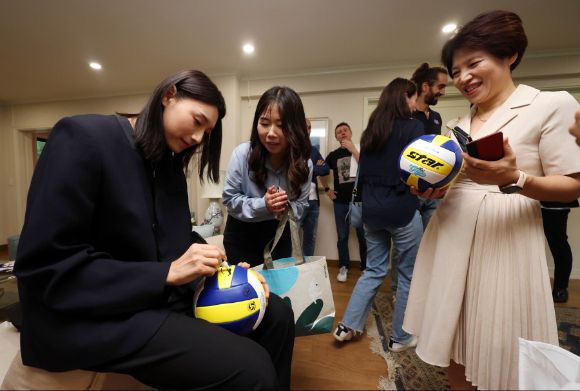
245	242
555	227
191	354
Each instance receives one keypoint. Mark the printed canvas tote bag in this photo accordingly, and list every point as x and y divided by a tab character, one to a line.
303	282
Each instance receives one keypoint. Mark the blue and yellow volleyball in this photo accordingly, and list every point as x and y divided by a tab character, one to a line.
234	300
430	161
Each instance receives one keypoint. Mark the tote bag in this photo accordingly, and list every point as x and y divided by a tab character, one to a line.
302	282
354	215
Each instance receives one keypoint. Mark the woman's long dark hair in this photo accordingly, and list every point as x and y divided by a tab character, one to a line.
294	129
392	105
150	133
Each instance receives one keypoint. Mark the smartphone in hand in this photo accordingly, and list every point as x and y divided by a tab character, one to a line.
462	137
488	148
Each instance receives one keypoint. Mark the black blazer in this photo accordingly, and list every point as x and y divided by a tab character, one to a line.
99	235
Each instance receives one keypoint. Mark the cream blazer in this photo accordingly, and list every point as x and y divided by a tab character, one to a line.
536	124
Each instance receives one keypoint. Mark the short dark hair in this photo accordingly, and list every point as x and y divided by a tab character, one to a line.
392	106
294	129
500	33
427	74
341	124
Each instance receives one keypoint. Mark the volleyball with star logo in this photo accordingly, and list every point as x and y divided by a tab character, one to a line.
233	299
430	161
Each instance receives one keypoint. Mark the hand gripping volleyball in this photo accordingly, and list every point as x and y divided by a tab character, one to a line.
233	299
430	161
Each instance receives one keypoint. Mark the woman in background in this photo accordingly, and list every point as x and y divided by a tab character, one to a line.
481	278
265	175
106	271
390	211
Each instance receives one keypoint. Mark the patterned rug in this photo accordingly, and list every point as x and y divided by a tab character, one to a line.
408	372
568	320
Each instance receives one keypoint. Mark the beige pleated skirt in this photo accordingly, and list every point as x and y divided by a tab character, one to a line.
481	278
507	293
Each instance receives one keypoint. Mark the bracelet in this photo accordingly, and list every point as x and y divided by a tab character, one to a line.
326	189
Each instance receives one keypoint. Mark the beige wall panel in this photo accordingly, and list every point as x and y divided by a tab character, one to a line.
339	96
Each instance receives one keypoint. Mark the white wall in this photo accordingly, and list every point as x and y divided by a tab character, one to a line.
19	122
8	221
229	86
342	97
30	118
339	96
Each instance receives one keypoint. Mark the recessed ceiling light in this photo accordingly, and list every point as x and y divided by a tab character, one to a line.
449	28
95	65
248	48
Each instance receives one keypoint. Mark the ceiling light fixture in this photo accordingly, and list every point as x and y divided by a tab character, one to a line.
449	28
248	48
95	65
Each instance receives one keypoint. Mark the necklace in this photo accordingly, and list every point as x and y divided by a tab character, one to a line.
477	112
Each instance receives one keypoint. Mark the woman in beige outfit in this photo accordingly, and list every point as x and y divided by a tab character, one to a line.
481	279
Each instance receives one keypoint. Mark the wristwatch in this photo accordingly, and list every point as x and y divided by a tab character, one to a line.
514	187
326	189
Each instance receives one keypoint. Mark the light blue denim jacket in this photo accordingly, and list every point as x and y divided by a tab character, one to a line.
242	197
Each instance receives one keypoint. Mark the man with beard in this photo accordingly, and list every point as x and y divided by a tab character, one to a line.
431	83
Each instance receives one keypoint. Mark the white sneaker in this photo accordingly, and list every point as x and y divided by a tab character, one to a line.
399	347
342	333
342	274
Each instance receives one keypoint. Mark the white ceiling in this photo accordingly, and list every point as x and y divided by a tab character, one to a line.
46	45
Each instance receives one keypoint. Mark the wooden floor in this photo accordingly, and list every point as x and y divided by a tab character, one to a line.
322	363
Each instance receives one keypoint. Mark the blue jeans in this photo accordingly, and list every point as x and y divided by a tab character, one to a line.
407	240
343	231
394	266
309	221
427	208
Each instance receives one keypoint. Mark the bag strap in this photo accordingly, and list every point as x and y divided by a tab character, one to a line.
355	190
287	216
354	194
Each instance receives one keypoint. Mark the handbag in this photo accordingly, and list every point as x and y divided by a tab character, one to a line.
354	215
302	282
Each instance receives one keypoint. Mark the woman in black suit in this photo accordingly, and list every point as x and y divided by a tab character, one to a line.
106	270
